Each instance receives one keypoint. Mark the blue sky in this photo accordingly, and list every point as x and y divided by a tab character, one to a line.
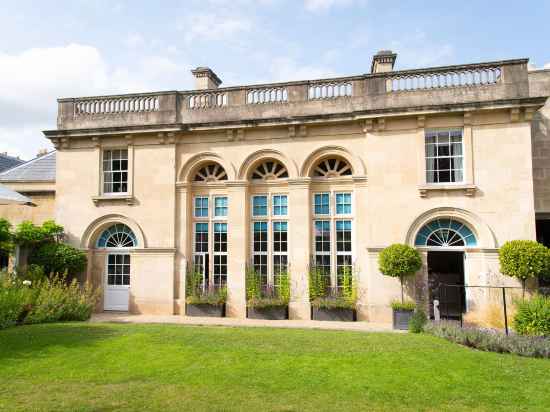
53	49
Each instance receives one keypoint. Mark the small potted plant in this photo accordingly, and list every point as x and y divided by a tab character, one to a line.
202	300
400	261
332	303
267	301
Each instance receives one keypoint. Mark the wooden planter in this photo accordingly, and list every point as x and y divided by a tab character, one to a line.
205	310
268	313
401	318
333	314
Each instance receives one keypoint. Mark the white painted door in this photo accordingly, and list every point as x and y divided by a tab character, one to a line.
117	282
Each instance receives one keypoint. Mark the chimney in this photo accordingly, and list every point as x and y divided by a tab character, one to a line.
383	61
205	78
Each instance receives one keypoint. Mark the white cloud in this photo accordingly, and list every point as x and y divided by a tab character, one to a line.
32	80
323	5
547	65
216	25
417	50
287	69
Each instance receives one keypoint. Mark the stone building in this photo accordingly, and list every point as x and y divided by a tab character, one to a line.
452	160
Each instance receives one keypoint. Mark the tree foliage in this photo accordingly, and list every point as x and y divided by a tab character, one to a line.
524	259
58	258
28	234
399	260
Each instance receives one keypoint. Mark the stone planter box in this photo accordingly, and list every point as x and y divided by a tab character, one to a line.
205	310
268	313
334	314
401	318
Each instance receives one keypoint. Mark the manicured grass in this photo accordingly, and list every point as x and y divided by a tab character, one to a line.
108	367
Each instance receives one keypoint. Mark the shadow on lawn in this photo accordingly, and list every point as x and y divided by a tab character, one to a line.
29	341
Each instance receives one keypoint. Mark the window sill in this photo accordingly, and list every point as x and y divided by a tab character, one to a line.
129	199
467	189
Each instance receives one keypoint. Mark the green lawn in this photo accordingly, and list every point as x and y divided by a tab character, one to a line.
108	367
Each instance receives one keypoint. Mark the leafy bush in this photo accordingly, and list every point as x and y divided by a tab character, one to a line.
418	321
533	316
55	300
524	259
259	295
399	260
15	299
319	283
197	294
491	341
58	258
405	305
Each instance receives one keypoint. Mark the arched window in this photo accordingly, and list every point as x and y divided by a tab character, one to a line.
211	172
445	232
332	167
117	236
270	170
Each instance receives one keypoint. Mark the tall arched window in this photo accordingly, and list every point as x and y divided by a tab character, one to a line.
117	236
270	170
332	167
210	208
211	172
269	221
445	232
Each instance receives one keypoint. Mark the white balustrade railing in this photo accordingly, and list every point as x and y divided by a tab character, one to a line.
330	90
113	105
438	80
208	100
267	95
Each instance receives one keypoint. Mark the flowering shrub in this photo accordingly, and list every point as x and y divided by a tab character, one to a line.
491	341
15	298
324	296
46	300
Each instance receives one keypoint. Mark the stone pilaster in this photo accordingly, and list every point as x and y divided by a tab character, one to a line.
299	247
237	248
183	231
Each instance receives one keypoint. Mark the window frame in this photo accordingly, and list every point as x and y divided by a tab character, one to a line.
103	171
211	220
333	218
270	219
450	157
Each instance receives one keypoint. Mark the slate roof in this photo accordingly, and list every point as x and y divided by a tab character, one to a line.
8	162
40	169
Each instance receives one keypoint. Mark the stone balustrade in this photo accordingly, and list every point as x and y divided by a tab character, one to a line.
357	95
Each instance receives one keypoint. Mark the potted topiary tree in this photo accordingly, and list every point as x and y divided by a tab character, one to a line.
524	259
400	261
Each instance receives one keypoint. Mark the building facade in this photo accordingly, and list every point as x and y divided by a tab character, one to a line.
319	173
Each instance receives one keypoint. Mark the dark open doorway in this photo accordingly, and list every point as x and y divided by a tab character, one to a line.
543	236
446	268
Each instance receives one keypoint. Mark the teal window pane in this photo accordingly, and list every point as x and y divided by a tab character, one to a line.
260	226
259	206
343	203
322	203
220	206
220	227
280	226
280	205
201	207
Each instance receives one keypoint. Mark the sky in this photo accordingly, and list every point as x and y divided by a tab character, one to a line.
51	49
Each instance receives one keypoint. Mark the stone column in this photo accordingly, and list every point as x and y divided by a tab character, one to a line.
299	247
237	248
360	242
183	233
